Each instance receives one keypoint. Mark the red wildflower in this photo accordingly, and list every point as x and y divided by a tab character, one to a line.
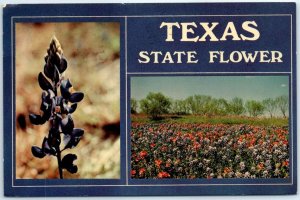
174	140
163	175
133	172
164	148
260	166
143	154
168	164
142	171
227	170
196	145
251	143
158	163
285	163
240	139
275	143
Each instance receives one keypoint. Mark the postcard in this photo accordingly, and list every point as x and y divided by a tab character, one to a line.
150	99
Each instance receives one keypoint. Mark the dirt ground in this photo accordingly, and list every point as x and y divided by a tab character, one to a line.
92	51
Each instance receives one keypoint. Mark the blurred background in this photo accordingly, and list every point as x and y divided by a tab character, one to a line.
93	54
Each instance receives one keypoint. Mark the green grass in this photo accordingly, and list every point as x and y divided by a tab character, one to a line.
257	121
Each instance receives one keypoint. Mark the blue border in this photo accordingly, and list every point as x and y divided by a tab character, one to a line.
117	12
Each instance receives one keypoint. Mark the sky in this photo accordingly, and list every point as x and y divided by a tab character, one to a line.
228	87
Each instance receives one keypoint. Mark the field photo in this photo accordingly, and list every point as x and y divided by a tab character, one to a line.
67	100
204	127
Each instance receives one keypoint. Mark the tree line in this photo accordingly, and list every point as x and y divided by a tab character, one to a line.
157	104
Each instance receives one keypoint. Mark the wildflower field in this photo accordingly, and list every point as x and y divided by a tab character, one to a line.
181	150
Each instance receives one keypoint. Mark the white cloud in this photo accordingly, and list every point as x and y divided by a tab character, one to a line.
283	85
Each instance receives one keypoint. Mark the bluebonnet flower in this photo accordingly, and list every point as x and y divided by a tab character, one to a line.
57	110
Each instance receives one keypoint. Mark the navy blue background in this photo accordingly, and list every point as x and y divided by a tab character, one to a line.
144	34
275	35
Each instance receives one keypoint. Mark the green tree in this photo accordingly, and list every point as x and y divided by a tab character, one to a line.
175	107
204	104
133	106
191	105
270	106
283	104
213	106
179	107
254	108
155	104
222	107
236	106
183	106
199	104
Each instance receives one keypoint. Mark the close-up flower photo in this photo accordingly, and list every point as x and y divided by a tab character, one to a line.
67	110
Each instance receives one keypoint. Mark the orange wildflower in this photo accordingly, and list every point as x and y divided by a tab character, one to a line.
163	175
